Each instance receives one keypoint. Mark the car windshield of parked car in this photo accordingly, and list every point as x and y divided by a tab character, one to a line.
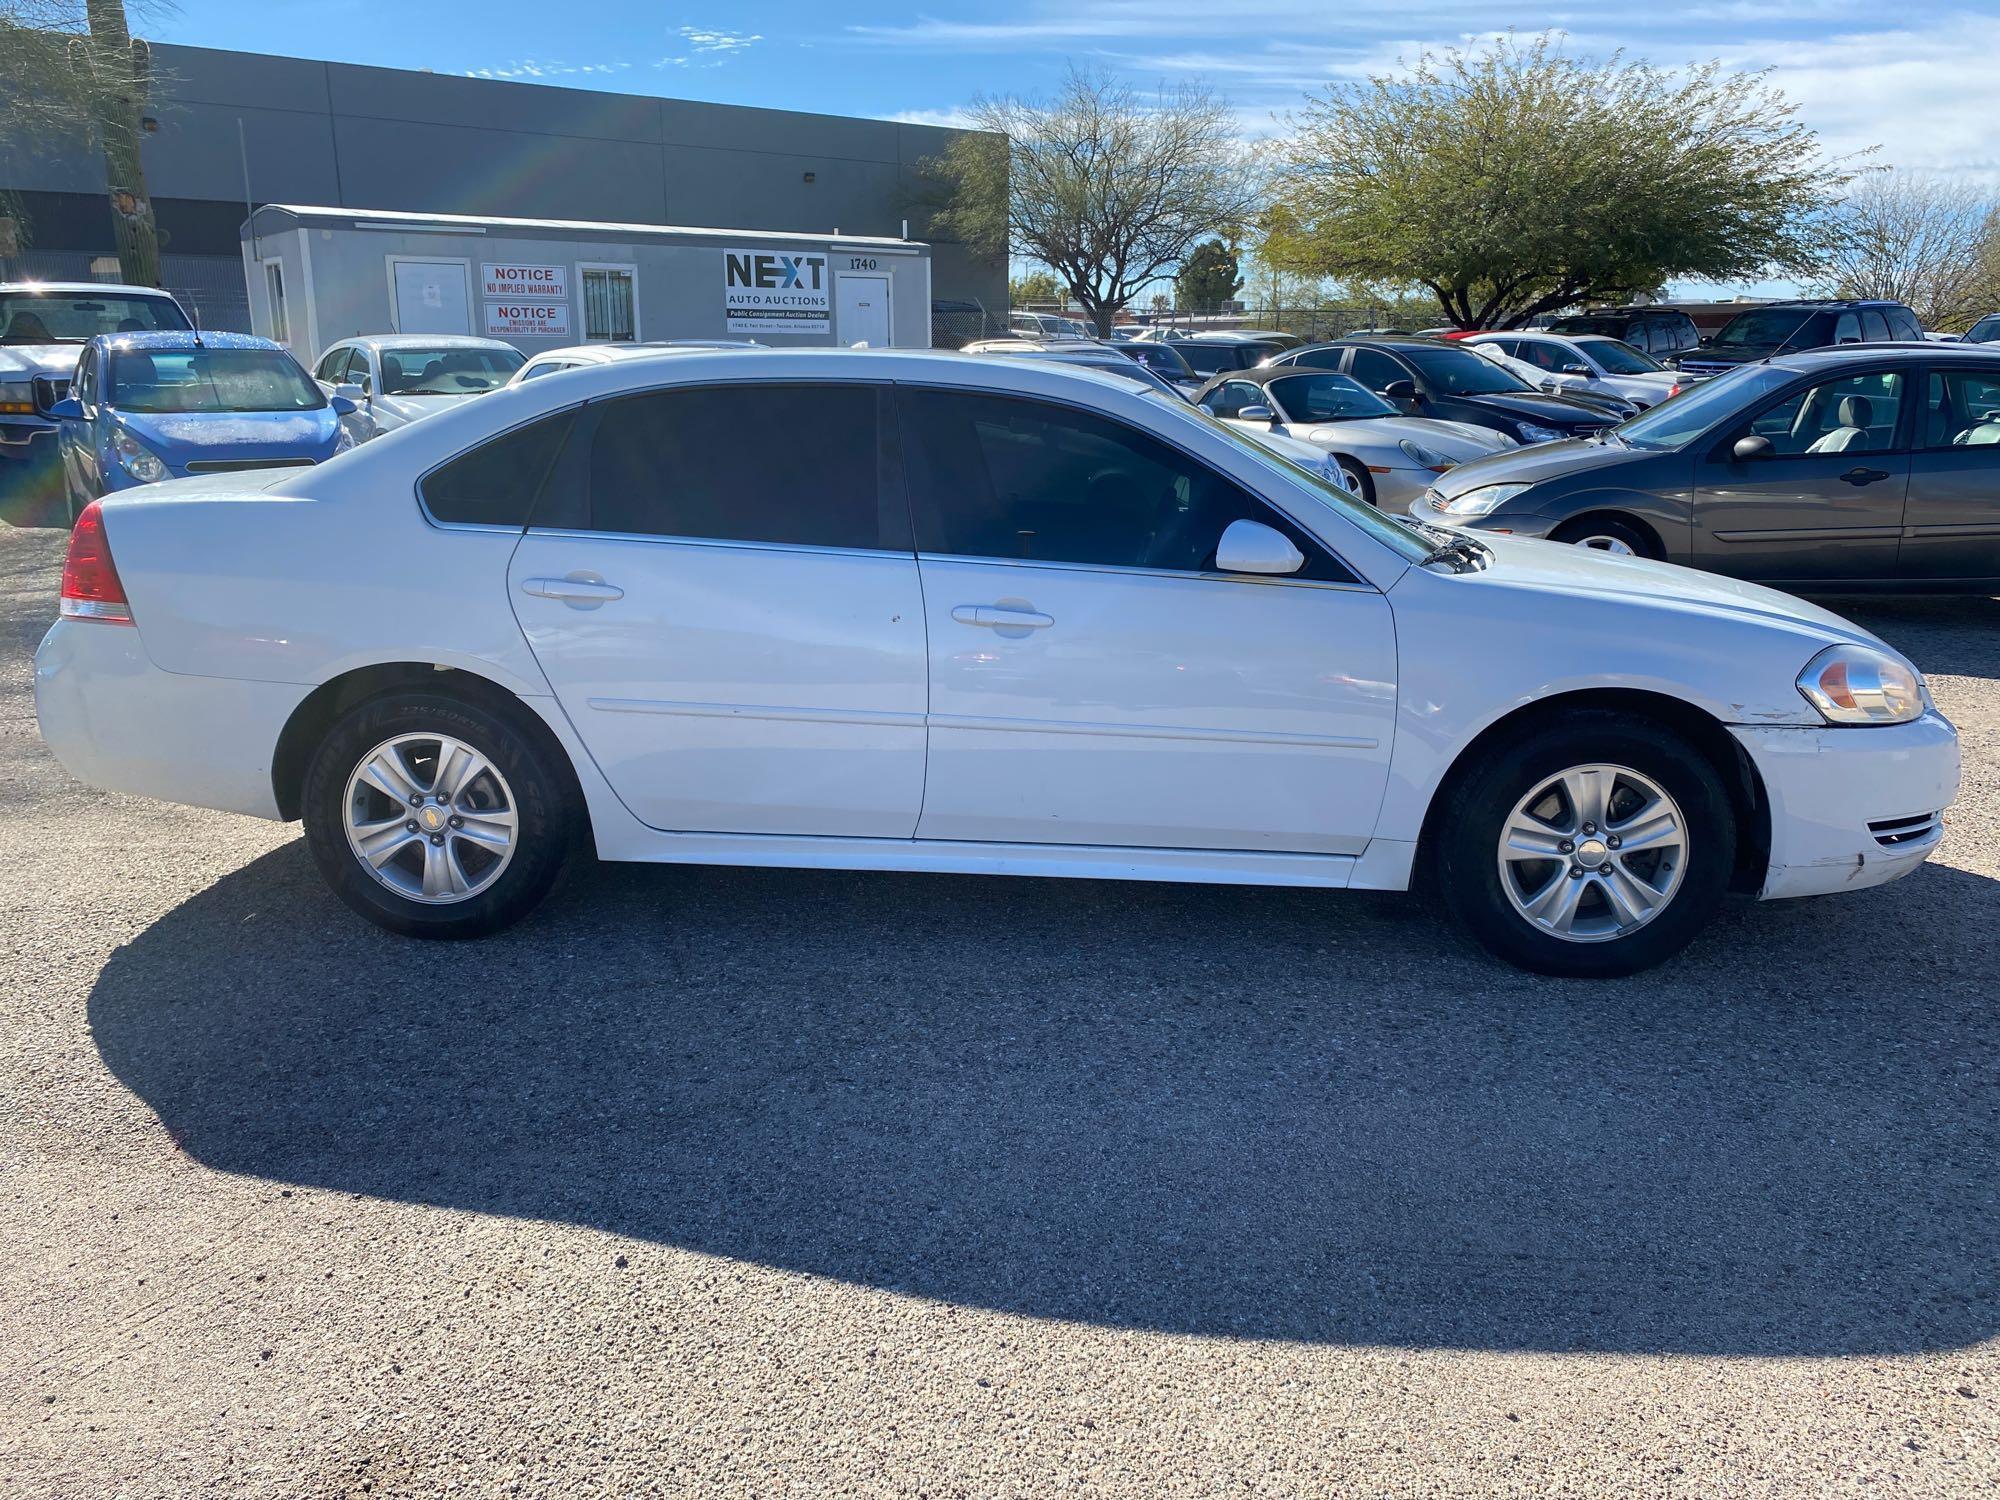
1679	421
1404	541
1985	331
1763	328
75	317
1616	358
148	380
1327	398
1460	372
447	371
1161	359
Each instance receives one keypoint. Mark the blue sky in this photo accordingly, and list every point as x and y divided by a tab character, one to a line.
1915	78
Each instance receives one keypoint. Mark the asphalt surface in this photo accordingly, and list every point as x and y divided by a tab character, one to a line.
714	1182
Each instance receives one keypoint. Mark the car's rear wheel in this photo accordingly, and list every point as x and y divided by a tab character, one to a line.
435	817
1596	846
1607	534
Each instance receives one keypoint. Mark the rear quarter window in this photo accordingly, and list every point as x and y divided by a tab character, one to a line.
496	483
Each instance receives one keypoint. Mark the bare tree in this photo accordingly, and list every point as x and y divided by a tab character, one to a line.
1108	189
1925	241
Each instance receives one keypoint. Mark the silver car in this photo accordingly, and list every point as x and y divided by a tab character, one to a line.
398	378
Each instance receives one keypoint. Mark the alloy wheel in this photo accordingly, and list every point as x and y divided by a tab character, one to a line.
430	818
1593	853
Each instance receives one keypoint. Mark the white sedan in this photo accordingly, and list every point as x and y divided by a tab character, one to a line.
891	610
552	361
1564	364
399	378
1389	459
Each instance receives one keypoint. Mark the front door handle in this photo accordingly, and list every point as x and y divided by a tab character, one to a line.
1008	619
575	591
1864	476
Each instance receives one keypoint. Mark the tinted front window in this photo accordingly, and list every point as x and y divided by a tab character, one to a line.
1376	370
1327	398
73	317
496	483
1764	327
447	371
209	380
995	476
1458	372
1318	359
796	464
1622	359
1676	422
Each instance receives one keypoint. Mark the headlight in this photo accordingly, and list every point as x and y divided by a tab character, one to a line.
1487	497
141	462
17	398
1860	685
1423	457
1534	432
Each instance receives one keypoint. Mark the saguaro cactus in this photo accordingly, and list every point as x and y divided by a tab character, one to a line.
120	71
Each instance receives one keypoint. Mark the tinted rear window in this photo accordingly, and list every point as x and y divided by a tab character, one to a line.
496	483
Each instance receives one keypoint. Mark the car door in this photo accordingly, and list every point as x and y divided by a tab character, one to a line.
1951	522
1826	502
731	619
1093	679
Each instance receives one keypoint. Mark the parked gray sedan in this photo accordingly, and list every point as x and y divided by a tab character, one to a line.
1874	467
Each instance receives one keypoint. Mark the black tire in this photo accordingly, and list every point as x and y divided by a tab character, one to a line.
1364	483
1478	804
1592	529
542	805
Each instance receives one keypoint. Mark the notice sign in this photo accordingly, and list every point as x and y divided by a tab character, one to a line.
543	283
777	291
536	320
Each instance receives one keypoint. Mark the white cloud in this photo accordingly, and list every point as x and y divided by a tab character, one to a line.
532	69
955	119
707	46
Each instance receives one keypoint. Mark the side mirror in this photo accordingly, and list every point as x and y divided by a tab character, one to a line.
1253	547
69	409
1257	414
342	405
1749	449
1400	390
352	394
1209	409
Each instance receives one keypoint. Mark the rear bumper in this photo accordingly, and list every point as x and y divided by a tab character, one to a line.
1852	807
118	722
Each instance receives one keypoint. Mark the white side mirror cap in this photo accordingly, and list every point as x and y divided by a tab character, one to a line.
1253	547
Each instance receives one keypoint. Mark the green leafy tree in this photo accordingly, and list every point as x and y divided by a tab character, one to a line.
1036	286
1106	188
1512	179
1209	277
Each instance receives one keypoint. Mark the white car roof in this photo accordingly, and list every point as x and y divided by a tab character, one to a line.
118	288
418	341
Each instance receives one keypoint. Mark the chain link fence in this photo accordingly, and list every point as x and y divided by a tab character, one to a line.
210	287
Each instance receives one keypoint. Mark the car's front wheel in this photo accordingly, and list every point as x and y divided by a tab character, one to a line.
1595	846
434	817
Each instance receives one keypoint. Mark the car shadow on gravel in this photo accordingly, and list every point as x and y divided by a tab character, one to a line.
1204	1110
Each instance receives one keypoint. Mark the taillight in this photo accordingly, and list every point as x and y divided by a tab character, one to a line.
90	586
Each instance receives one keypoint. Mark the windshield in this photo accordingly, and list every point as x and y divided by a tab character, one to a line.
1460	372
1161	359
1118	369
1676	422
1327	398
1621	359
447	371
208	380
1400	539
1765	326
73	317
1611	325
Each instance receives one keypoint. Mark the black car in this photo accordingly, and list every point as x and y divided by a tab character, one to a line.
1828	470
1781	327
1428	378
1985	331
1211	354
1164	360
1659	331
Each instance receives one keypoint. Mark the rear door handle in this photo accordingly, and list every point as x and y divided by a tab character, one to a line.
1864	476
1002	617
578	593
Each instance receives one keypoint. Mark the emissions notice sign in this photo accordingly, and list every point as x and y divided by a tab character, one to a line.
542	283
542	320
777	291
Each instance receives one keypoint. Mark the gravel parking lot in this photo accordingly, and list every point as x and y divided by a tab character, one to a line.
729	1182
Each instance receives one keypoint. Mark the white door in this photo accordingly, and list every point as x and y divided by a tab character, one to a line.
432	296
736	630
1094	681
861	304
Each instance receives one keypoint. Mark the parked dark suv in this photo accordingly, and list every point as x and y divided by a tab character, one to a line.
1428	378
1823	470
1985	331
1659	331
1781	327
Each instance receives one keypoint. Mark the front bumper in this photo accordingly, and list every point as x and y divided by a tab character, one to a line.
1852	807
118	722
24	438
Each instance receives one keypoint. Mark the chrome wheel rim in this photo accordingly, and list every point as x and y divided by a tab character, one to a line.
430	818
1593	853
1615	545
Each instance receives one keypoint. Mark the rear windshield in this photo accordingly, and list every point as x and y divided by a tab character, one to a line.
209	380
1611	326
1765	326
447	371
73	317
1161	359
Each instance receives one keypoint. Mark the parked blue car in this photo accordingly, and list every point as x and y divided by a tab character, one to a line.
144	407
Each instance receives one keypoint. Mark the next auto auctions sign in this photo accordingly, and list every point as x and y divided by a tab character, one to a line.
777	291
541	283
